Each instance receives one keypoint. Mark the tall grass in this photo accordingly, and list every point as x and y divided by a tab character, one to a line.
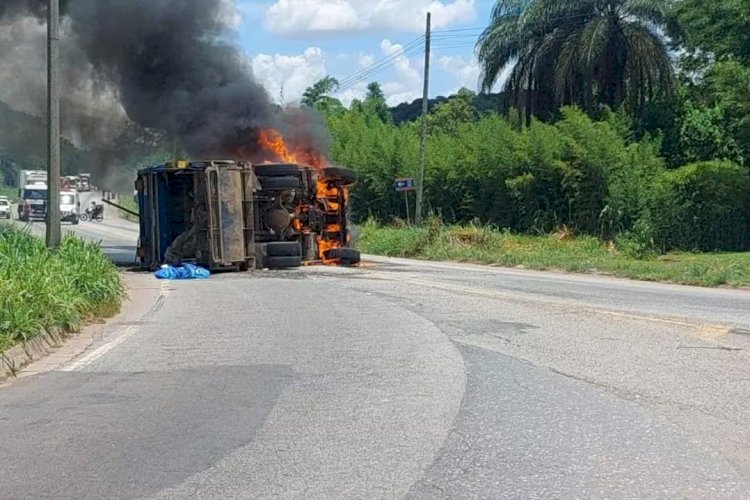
43	291
558	251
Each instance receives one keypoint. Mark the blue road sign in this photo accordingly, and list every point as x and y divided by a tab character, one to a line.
405	184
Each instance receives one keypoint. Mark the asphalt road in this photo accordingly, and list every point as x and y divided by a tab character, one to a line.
395	380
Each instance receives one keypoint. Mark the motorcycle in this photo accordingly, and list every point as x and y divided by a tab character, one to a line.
95	214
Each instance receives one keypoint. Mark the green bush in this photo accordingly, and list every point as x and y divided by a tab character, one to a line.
702	206
586	175
52	291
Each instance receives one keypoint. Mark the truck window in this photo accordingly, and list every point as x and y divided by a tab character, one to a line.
35	194
67	199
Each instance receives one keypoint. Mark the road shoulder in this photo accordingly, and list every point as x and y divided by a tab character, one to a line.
55	351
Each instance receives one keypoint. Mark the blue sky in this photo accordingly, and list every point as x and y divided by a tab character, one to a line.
293	43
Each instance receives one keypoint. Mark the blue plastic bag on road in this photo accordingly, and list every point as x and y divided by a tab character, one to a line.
186	272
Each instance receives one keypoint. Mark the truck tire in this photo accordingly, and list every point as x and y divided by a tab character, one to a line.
279	183
345	175
276	169
283	249
346	256
283	262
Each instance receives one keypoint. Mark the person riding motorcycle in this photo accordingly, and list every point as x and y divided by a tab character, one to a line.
94	210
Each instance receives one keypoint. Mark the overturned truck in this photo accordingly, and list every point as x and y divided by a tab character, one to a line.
227	215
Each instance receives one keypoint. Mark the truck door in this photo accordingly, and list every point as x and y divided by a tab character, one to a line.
226	224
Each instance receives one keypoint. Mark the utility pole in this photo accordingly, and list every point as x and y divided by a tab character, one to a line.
53	124
423	135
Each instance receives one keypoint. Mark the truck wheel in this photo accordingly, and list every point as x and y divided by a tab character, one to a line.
279	183
345	175
74	221
276	169
283	249
346	256
283	262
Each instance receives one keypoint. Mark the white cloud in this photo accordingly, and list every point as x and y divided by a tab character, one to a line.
466	71
290	74
294	73
405	85
357	91
365	60
408	83
326	17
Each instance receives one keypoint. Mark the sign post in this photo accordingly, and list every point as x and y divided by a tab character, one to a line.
406	202
405	184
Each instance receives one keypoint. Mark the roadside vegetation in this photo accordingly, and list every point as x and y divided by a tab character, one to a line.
560	251
129	203
597	132
43	291
9	192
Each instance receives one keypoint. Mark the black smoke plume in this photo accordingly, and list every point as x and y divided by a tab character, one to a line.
174	69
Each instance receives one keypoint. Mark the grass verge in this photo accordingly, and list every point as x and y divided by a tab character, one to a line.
485	245
43	291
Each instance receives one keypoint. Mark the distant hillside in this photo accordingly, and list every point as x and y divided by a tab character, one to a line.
23	145
406	112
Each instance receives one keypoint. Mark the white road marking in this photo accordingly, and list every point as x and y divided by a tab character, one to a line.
85	361
101	351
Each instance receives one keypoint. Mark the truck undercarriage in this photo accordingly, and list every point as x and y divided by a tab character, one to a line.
237	216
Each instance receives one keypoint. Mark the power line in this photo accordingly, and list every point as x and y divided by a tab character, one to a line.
379	66
351	82
539	21
384	61
364	77
455	46
455	38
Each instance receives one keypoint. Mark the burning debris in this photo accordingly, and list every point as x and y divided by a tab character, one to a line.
238	215
170	68
331	192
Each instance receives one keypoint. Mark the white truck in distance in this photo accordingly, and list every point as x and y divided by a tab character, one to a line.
32	195
84	182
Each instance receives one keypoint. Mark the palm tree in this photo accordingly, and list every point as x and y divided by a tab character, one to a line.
319	92
581	52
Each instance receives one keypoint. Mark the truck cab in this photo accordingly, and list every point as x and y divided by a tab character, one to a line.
32	204
84	182
228	215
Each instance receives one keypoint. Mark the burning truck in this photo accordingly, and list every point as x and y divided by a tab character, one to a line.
285	212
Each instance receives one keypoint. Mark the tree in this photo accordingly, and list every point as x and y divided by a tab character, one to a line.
711	30
376	104
581	52
317	96
448	115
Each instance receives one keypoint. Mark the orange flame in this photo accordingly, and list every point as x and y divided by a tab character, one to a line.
329	197
272	142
